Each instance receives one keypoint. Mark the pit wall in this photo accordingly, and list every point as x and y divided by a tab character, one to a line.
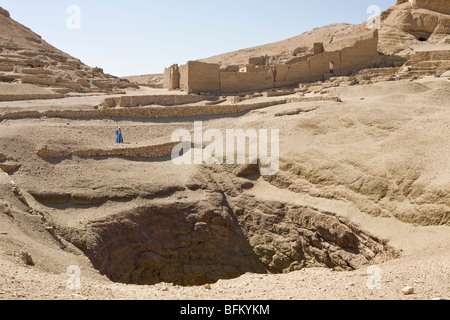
338	58
24	97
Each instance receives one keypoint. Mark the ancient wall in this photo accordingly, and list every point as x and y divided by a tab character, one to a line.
299	59
31	96
154	151
144	112
258	61
231	69
318	48
324	63
202	77
231	82
160	100
442	6
364	53
338	58
265	69
292	74
172	77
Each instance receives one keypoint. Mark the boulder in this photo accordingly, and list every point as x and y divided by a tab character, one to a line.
408	290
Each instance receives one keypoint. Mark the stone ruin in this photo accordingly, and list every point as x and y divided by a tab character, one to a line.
326	60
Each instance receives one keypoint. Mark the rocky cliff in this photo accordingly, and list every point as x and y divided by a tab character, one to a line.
442	6
412	23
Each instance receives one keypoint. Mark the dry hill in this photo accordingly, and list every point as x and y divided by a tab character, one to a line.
25	58
404	27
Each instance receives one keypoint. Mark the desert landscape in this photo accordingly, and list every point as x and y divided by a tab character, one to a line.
358	209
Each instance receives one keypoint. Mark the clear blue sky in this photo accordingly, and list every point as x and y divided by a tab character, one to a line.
144	36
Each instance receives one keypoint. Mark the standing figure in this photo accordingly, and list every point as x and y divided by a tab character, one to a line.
119	135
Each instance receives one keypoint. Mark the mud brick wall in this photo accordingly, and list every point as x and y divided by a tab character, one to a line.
155	151
246	81
144	112
292	74
338	58
12	97
160	100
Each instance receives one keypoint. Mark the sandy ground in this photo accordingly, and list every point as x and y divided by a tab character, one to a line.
426	271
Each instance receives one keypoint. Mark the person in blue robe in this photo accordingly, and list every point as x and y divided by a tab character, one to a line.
119	135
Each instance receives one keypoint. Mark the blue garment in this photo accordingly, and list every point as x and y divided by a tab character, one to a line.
119	136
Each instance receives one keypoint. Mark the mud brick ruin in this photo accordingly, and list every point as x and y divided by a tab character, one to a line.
327	60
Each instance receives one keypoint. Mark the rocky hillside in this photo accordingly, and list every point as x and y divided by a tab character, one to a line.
25	58
417	25
442	6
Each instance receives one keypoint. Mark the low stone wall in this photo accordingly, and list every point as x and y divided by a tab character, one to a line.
312	99
155	151
233	82
144	112
340	58
37	96
161	100
268	94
